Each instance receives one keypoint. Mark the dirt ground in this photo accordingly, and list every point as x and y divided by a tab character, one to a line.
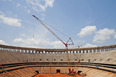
55	75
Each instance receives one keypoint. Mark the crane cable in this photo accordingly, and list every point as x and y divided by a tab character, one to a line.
56	29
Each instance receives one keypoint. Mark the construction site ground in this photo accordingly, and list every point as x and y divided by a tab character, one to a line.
56	75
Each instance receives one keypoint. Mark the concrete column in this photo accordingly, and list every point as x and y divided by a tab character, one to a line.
79	51
28	51
75	51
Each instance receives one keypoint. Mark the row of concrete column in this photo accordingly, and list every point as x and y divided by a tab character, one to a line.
78	50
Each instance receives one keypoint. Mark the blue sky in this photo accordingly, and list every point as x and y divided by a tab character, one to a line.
88	22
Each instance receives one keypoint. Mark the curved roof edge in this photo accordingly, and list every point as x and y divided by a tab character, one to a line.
27	48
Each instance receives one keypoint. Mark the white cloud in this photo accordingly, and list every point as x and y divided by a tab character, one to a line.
38	42
9	20
103	35
2	42
42	4
57	44
90	45
18	40
87	31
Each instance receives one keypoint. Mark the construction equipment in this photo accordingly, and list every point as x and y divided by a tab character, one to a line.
65	43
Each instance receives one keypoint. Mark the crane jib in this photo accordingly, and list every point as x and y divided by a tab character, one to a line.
66	44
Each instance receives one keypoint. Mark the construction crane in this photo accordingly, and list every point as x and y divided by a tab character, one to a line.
65	43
